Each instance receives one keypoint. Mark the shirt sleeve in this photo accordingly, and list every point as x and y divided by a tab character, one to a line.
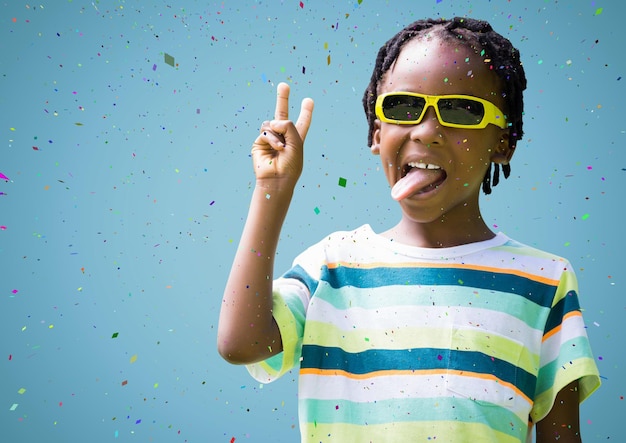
565	351
291	295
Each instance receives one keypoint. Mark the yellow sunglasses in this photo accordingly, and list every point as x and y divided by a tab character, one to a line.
455	111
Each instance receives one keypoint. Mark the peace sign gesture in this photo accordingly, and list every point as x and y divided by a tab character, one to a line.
277	151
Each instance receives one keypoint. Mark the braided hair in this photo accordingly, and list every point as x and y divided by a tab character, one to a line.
498	51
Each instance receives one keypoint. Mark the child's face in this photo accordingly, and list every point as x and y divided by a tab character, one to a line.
433	67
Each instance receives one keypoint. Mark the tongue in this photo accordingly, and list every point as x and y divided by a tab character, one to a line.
414	181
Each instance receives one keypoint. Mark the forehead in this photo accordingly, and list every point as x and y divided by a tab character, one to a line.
431	65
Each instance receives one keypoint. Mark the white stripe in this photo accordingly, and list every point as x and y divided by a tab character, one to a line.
439	317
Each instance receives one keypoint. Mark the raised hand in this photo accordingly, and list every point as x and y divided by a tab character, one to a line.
277	152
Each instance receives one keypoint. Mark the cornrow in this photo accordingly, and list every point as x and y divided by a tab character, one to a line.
503	59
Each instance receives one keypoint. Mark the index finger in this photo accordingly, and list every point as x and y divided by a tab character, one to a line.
304	119
282	102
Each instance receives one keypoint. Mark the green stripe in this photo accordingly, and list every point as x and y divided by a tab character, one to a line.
500	419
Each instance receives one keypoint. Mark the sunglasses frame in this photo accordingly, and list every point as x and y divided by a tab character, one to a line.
492	115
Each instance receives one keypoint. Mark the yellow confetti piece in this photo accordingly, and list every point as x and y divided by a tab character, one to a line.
328	59
21	391
156	385
51	327
133	359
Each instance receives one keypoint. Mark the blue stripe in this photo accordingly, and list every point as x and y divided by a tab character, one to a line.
540	293
372	360
566	305
298	273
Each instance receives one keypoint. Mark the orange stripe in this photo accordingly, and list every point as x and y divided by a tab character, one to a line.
373	265
391	372
550	333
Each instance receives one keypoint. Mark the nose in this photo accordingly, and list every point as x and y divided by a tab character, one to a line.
428	131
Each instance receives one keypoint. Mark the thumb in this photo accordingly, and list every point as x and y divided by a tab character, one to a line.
304	119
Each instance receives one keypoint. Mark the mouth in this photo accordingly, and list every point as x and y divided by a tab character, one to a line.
418	177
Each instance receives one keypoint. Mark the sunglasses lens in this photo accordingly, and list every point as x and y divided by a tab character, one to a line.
461	111
403	108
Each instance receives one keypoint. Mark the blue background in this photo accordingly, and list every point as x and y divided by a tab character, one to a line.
129	179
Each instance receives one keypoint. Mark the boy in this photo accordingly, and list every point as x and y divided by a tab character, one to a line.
437	328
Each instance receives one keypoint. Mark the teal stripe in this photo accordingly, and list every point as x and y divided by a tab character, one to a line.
300	274
413	410
566	305
465	297
540	293
373	360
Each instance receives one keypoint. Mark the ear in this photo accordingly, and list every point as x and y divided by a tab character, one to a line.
503	152
375	148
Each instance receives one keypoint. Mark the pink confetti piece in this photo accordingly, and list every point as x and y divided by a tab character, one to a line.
4	177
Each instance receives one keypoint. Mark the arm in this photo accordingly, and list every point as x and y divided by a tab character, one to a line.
247	332
562	423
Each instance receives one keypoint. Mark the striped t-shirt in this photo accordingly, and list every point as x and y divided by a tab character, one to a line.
397	343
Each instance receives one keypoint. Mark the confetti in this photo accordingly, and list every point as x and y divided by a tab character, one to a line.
21	391
3	177
133	359
115	334
317	210
342	182
169	59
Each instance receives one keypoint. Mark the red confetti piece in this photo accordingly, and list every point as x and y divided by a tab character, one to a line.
302	5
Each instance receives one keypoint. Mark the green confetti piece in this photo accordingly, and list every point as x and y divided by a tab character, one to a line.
115	334
599	11
585	216
342	182
317	210
169	60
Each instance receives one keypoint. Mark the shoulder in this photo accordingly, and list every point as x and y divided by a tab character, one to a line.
531	258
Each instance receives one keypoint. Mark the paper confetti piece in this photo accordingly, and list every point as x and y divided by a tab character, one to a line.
328	60
4	177
21	391
125	382
599	11
133	359
13	407
342	182
317	210
169	60
115	334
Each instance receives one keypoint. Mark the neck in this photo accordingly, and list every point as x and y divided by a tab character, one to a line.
439	234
